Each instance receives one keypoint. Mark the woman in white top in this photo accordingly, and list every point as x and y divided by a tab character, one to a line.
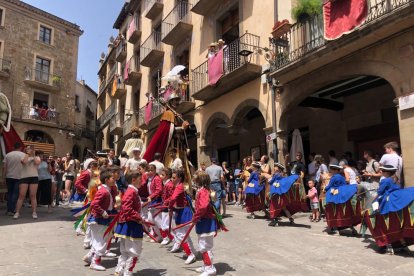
69	178
350	175
29	181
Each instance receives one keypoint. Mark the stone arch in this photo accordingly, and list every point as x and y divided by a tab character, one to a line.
244	107
34	135
296	91
218	116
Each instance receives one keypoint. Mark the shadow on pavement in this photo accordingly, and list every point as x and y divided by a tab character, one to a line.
222	268
151	272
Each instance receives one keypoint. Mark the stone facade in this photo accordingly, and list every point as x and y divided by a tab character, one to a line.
26	83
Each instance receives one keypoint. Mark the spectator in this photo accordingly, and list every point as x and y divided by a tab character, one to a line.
123	159
349	173
314	201
392	158
332	157
157	163
229	179
69	176
111	156
133	163
53	172
211	50
238	189
296	167
29	180
322	168
216	177
266	170
44	191
12	170
371	177
176	163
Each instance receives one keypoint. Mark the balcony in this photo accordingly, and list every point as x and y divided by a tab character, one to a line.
305	42
132	73
41	79
151	53
5	68
204	7
121	51
115	125
40	116
153	8
106	116
112	73
134	30
238	68
156	112
129	124
102	85
118	89
177	26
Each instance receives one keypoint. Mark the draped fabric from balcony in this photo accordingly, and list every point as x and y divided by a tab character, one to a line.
131	28
126	70
215	68
148	112
343	16
10	138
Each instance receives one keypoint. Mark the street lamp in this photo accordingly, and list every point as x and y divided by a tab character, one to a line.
245	53
274	87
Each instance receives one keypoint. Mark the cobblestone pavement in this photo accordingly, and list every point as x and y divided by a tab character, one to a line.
49	246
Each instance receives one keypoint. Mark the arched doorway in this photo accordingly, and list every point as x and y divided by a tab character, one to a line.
231	141
349	115
40	141
76	152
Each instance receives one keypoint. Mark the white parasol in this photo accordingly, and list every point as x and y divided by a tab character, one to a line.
173	74
297	145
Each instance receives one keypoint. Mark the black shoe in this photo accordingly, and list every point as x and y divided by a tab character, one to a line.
273	223
291	221
373	215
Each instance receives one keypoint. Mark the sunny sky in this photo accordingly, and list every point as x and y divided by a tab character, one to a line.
96	18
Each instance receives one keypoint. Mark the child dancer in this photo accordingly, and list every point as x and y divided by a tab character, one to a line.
129	229
99	220
314	201
183	213
206	225
166	194
155	193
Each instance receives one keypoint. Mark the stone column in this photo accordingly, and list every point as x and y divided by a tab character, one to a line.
406	125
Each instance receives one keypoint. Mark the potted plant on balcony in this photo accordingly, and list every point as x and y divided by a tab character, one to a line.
56	80
305	9
280	28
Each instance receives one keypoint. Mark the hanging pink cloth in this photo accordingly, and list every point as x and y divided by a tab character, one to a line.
126	70
215	68
148	111
343	16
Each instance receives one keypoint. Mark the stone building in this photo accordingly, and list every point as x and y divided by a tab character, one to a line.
39	56
342	95
85	120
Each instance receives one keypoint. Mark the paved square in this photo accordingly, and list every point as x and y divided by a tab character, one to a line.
49	246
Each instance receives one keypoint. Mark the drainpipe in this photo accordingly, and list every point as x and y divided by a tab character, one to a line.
274	86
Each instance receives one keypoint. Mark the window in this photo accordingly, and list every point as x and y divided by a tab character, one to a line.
77	103
41	100
2	15
42	70
45	34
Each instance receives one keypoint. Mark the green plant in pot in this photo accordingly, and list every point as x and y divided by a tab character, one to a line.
56	80
306	9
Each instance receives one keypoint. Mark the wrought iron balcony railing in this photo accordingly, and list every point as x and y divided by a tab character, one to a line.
151	45
40	114
232	60
304	38
42	77
106	116
177	24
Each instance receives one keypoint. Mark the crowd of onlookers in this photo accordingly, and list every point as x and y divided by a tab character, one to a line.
36	178
229	182
43	112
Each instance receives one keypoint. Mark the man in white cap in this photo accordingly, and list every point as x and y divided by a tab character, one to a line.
133	163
